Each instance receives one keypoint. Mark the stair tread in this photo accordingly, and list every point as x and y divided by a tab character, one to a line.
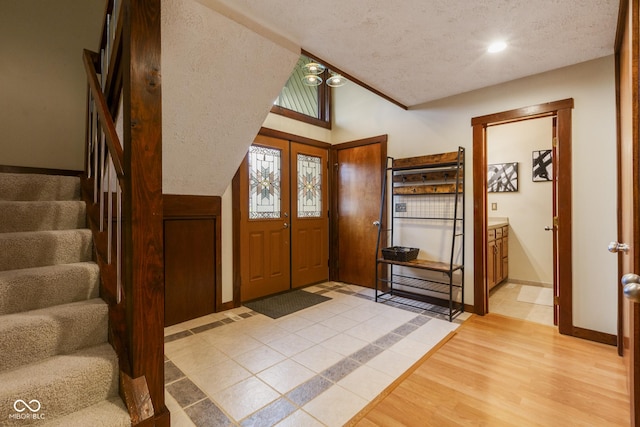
18	186
40	287
29	336
64	383
106	413
28	249
18	216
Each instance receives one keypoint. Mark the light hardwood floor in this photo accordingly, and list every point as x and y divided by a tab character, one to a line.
500	371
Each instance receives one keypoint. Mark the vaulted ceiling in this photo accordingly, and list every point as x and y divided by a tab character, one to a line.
416	51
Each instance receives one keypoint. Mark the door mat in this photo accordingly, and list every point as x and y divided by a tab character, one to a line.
536	295
287	303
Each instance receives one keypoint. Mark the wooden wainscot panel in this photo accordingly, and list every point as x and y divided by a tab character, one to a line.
192	234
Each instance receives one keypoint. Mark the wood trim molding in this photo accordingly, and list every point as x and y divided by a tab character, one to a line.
525	113
595	336
360	142
355	80
44	171
480	219
562	109
294	138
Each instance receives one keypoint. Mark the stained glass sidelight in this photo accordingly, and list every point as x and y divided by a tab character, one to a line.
264	182
309	186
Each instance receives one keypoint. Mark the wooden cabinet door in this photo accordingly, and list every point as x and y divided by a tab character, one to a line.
498	261
491	264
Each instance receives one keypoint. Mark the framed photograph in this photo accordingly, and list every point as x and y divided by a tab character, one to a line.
542	166
502	177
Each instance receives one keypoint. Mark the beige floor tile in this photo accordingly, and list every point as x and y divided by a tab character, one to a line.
260	358
293	323
318	358
198	358
244	398
236	345
174	348
317	333
315	314
300	419
285	375
339	323
291	345
391	363
220	376
366	382
344	344
344	405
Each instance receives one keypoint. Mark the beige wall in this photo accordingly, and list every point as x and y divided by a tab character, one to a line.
42	80
529	209
442	125
215	97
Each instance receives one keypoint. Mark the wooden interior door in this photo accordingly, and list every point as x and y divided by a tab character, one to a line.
628	208
359	192
264	219
309	215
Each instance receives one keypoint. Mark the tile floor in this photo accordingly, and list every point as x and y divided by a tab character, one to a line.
316	367
503	299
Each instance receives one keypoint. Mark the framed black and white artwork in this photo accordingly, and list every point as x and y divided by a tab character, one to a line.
542	166
502	177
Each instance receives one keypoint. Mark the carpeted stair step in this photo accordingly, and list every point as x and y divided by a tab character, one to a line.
31	336
40	287
18	186
35	216
39	248
108	413
62	384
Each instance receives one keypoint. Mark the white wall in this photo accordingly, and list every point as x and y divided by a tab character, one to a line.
43	82
530	208
442	125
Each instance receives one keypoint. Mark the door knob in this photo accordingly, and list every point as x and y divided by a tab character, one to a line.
615	247
548	228
285	225
631	286
376	223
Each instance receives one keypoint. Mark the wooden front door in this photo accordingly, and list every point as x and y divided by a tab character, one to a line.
628	208
359	191
309	215
264	219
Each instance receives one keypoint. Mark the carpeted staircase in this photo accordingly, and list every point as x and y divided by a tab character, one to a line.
56	366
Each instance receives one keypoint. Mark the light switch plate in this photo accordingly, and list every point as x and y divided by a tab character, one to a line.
494	206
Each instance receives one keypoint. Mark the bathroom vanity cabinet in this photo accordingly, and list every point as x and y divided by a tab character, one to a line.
497	253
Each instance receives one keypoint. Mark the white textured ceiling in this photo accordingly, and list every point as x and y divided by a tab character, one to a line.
420	50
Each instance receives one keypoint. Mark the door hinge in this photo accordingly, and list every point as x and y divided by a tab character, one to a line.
556	300
555	221
554	141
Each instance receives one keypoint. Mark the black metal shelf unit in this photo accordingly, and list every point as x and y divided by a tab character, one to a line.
423	189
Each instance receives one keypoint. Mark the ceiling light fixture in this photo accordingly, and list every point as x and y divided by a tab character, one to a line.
336	80
313	68
497	47
312	80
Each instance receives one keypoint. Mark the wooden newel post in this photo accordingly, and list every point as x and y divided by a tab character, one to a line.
143	234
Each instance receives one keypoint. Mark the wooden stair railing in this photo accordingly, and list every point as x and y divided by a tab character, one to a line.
122	186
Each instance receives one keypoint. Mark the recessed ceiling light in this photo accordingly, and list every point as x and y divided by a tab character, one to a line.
497	47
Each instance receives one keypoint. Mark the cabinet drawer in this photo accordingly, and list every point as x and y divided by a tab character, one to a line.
491	234
499	233
505	231
505	248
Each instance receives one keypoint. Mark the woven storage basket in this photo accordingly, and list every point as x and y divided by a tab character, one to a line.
400	253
